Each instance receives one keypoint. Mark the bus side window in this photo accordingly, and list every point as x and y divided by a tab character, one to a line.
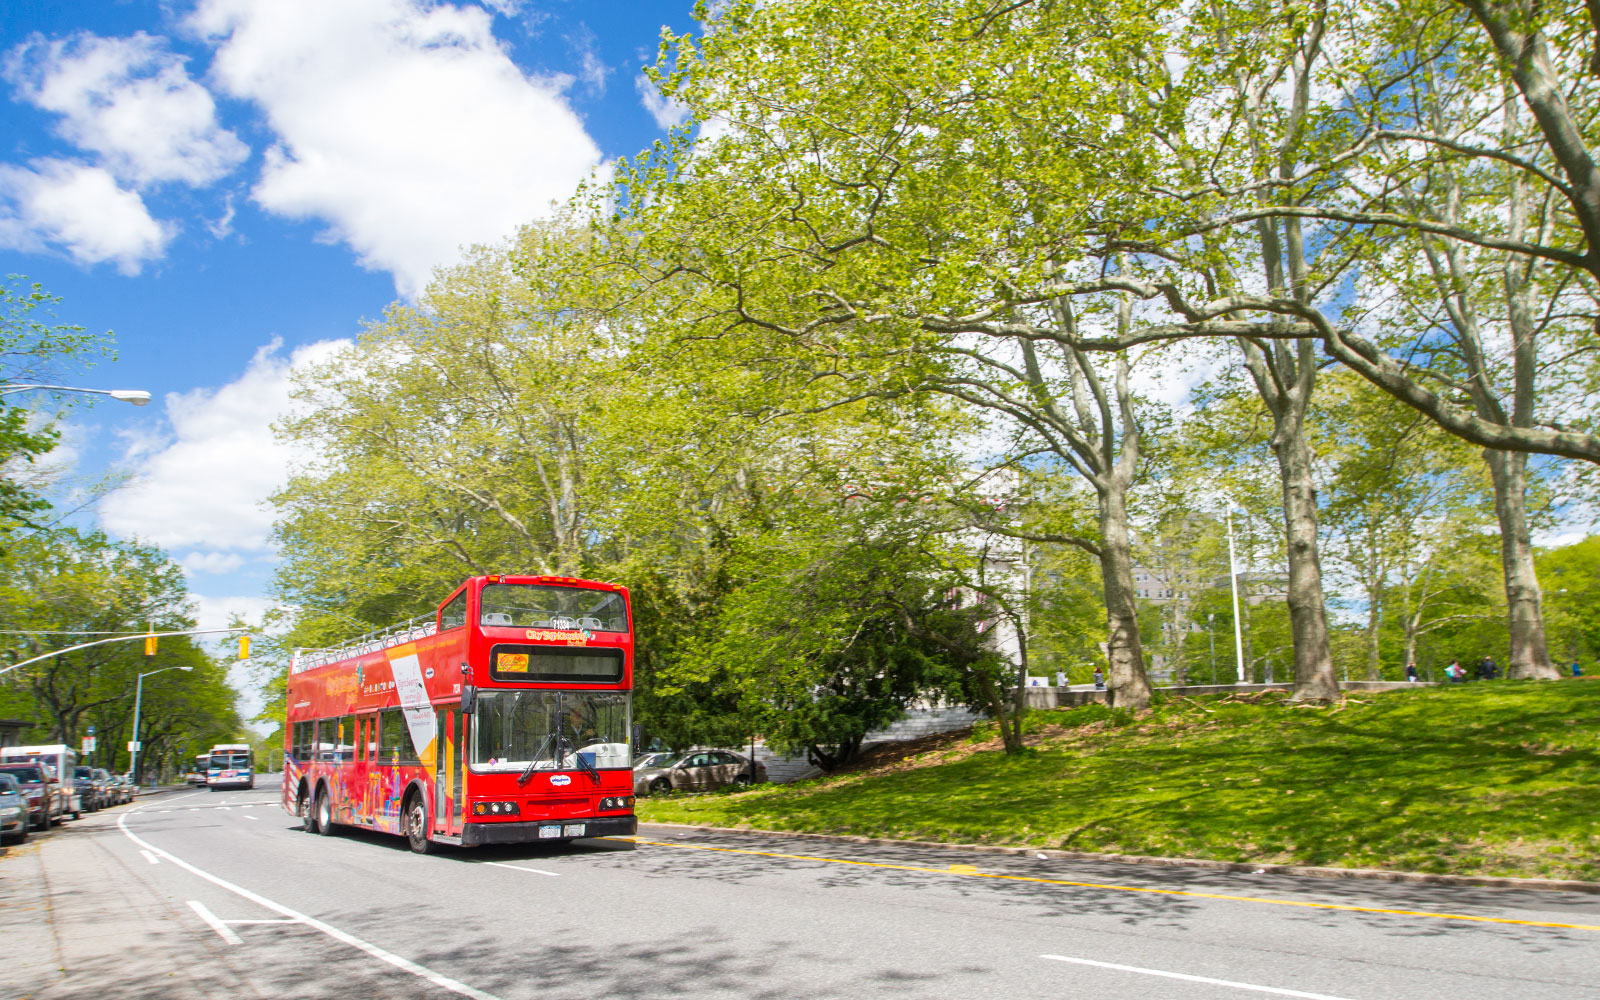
395	742
455	613
346	750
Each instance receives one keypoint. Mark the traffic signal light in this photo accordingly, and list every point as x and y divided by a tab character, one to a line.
244	647
150	644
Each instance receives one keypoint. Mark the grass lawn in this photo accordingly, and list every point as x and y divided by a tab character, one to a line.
1490	778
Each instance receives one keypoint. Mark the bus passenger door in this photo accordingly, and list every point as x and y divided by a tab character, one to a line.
448	789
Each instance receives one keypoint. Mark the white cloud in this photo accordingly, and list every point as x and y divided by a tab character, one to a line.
667	112
81	209
211	562
402	125
131	101
219	612
591	69
205	488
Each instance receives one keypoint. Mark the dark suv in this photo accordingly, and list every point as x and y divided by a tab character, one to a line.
91	792
40	788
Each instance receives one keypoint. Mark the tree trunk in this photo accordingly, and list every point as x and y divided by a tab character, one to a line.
1314	679
1127	685
1374	662
1530	657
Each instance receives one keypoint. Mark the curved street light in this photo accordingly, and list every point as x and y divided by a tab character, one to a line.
138	397
134	746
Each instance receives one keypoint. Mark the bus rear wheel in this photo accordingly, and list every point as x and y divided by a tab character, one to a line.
416	819
302	808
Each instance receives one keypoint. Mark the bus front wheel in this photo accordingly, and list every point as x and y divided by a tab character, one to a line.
324	814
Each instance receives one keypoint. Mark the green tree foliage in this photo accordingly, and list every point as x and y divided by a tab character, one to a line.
32	351
1571	576
64	587
830	638
521	418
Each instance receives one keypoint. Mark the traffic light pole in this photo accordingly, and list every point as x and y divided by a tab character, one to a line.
122	638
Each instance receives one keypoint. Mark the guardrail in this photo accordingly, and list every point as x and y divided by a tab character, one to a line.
409	630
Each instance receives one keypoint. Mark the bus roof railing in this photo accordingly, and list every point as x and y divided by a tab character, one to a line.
409	630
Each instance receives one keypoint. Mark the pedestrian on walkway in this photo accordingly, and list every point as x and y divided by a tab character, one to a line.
1099	679
1487	671
1455	672
1411	672
1577	671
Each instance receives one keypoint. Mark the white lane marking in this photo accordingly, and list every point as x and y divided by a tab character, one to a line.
281	920
536	871
211	918
251	817
1194	979
420	971
151	857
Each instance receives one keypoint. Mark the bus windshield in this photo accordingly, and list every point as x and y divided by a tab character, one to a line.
521	605
547	729
237	760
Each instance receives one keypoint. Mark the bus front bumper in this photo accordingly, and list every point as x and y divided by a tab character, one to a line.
473	834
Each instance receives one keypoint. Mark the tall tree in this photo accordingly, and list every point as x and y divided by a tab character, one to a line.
887	197
1397	493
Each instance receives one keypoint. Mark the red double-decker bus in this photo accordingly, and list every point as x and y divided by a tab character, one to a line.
504	718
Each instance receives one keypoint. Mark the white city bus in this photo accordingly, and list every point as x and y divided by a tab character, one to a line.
231	765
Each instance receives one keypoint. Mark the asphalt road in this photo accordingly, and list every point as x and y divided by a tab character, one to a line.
221	894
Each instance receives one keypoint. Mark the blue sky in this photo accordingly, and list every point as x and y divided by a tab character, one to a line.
230	186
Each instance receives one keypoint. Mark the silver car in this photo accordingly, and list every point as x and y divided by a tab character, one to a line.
14	820
694	771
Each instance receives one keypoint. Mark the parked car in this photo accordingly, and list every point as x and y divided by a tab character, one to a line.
696	771
92	792
46	805
114	786
656	759
14	819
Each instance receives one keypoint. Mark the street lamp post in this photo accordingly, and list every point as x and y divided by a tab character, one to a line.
1211	625
138	694
138	397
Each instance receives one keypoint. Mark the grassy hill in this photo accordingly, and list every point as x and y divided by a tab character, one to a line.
1497	778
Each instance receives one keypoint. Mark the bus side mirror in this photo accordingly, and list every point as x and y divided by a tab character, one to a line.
469	693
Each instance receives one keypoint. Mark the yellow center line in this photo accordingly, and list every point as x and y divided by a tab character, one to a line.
968	872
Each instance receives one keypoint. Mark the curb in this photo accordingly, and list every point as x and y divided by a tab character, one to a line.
1311	871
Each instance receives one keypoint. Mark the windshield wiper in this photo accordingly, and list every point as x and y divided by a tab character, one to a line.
533	765
587	763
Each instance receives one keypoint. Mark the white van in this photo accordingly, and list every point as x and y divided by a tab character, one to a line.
62	760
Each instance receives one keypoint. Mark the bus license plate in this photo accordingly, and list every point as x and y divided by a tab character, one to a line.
549	832
574	830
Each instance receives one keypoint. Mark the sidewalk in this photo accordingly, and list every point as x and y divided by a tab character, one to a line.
78	920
